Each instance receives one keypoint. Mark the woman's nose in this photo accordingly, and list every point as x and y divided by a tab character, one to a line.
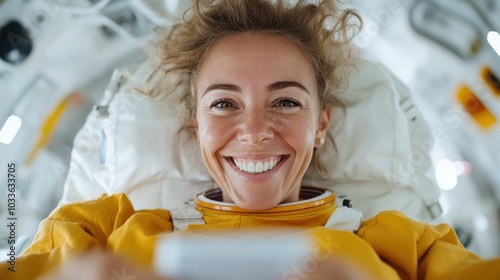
256	127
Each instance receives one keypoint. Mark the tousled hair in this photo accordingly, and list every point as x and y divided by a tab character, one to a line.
321	29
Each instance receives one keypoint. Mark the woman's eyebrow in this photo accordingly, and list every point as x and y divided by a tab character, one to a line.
272	87
228	87
284	84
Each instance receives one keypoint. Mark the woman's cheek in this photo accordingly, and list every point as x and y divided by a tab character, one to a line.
300	133
216	134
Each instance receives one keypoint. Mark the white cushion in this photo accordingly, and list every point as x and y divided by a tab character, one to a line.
381	163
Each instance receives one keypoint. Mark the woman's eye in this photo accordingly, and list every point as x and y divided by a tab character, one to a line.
287	102
223	104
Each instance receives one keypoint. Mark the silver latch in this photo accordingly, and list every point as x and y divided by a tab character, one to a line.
115	83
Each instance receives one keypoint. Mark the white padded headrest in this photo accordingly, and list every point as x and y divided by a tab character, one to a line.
382	159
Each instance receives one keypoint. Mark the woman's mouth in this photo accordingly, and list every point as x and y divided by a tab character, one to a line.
257	166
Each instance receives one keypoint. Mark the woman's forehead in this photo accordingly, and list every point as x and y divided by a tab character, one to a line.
251	54
253	45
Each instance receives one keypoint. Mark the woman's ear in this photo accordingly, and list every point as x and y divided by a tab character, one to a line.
323	125
324	120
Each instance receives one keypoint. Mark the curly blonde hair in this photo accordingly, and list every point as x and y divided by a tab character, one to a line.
321	29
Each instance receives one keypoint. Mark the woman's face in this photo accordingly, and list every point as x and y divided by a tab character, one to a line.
257	118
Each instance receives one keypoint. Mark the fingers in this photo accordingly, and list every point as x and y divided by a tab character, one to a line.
332	269
100	266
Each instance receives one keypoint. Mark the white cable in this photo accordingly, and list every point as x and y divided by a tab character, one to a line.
158	18
102	20
94	9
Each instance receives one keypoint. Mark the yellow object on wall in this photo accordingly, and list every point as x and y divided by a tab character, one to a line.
475	107
491	80
50	125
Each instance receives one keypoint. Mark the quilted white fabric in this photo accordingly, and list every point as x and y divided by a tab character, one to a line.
382	160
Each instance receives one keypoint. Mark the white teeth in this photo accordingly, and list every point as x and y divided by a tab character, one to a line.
257	166
251	167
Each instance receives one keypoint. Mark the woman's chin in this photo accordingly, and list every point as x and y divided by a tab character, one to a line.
256	203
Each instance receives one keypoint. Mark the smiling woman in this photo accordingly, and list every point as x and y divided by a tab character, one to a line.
258	117
258	82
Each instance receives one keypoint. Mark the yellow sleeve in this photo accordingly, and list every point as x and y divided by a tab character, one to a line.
423	251
69	230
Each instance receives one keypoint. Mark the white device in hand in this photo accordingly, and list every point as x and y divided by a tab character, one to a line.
230	257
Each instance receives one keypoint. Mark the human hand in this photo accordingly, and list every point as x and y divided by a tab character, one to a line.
330	269
98	265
